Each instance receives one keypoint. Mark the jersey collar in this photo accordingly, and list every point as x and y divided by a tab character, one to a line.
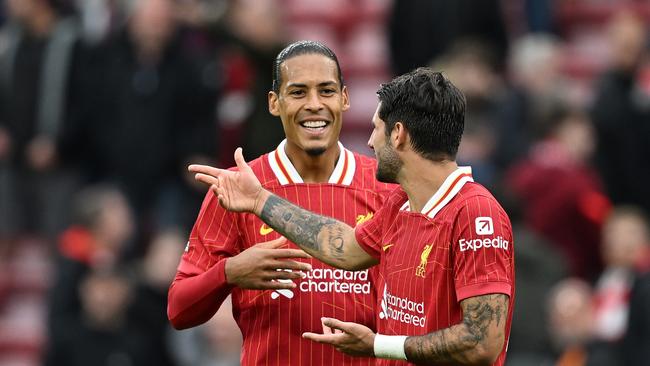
448	190
286	173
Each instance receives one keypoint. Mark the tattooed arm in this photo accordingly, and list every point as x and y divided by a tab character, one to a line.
477	340
325	238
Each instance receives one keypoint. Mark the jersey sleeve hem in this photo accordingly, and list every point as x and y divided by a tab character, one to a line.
483	288
372	251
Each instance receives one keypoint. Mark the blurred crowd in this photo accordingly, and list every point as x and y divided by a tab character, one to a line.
103	103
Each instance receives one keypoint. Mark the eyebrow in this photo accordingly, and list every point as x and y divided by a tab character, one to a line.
301	85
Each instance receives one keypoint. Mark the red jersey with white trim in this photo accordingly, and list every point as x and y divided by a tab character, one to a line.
459	246
272	322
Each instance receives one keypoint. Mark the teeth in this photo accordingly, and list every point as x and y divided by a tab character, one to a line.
314	124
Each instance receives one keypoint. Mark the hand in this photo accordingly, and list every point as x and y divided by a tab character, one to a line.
350	338
265	266
238	191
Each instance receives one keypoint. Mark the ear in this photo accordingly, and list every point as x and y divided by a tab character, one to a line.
399	136
274	107
346	98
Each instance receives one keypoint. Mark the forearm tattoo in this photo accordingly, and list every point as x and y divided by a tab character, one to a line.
313	233
482	327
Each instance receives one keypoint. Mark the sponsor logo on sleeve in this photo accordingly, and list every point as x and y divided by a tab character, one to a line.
484	226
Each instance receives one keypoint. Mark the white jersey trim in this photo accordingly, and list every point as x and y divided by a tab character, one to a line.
447	191
286	173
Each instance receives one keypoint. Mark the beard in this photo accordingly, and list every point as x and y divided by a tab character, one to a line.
316	151
388	165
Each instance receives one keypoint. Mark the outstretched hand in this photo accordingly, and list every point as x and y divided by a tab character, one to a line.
350	338
238	190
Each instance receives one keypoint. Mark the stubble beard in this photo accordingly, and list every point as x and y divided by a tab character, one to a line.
388	165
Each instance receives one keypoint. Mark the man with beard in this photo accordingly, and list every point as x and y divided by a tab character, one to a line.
311	168
442	242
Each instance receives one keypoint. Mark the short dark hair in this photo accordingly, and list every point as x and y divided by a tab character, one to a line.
302	48
431	108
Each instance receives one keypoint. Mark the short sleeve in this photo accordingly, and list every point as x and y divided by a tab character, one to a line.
370	233
483	252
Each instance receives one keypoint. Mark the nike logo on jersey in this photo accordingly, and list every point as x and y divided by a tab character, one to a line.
265	230
385	247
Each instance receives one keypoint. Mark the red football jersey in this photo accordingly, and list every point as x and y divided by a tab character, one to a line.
459	246
272	322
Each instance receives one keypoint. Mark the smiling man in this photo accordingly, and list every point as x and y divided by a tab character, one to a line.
311	168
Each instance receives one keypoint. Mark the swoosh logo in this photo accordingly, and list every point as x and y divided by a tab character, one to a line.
265	230
385	247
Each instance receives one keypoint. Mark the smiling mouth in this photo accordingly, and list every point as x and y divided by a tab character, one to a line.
314	125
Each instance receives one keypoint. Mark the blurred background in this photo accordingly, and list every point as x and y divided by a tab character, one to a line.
103	103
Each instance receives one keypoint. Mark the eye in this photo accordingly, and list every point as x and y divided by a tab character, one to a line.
328	91
297	92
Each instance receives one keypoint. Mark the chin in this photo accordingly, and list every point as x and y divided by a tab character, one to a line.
315	151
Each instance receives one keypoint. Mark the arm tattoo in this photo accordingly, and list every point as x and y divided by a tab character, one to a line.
314	233
482	327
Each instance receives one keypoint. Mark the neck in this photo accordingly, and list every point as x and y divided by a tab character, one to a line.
313	169
421	178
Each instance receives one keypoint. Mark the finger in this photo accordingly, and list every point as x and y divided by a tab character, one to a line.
205	169
286	275
288	264
321	338
207	179
272	244
336	324
326	329
289	253
276	285
239	160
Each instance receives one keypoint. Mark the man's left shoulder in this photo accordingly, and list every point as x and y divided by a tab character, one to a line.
475	198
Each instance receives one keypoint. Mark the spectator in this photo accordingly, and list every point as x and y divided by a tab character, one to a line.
625	246
561	194
150	113
636	343
148	310
95	242
621	113
536	87
36	62
103	336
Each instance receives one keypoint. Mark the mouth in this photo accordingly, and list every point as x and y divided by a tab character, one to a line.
315	127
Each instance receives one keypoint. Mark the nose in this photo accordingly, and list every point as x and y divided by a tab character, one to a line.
314	104
370	144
